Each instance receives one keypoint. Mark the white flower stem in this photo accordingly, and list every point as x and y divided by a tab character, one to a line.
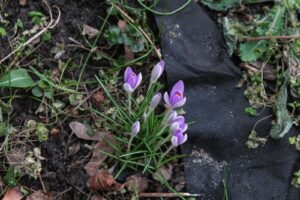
129	103
129	143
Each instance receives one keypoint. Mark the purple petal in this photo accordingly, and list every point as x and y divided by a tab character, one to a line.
183	139
184	127
174	141
180	103
157	71
138	80
172	117
131	80
155	101
177	96
128	88
135	128
166	98
178	87
127	72
174	127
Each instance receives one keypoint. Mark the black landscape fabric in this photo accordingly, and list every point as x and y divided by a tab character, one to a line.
194	51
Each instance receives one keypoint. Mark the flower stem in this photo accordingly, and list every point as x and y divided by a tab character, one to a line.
129	143
163	156
163	142
129	103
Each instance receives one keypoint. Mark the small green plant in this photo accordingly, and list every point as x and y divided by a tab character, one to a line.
36	17
129	36
144	136
2	32
296	179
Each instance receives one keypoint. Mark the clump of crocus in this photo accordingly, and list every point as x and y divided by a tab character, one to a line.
176	98
131	80
171	122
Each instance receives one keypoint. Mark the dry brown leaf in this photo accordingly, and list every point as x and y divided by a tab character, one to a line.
22	2
122	25
80	131
129	55
98	96
136	183
89	31
16	157
104	145
97	197
103	181
40	195
13	194
54	132
165	171
73	149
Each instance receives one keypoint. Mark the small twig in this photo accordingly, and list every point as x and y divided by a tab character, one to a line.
284	37
167	195
86	98
141	30
51	25
42	183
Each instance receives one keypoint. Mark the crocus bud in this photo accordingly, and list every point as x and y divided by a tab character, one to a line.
135	128
131	80
176	98
157	71
155	101
178	138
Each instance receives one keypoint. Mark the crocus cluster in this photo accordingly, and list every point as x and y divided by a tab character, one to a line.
173	100
177	128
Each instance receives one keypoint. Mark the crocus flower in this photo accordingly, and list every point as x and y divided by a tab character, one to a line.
176	98
157	71
178	138
131	80
155	101
178	123
135	128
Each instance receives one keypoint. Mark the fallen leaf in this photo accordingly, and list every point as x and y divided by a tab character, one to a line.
54	132
129	55
73	149
104	145
97	197
98	96
16	157
40	195
22	2
81	131
284	121
13	194
89	31
136	183
165	171
122	25
103	181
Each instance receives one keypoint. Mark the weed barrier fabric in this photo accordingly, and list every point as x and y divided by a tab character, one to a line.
194	52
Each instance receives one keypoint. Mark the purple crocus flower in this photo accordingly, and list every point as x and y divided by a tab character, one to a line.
157	71
176	98
178	138
178	123
155	101
135	128
131	80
